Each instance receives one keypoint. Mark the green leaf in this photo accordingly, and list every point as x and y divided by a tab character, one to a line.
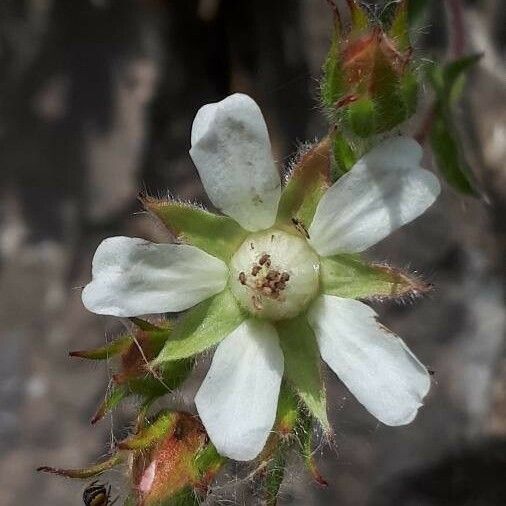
450	161
303	365
308	182
218	235
105	352
349	277
202	327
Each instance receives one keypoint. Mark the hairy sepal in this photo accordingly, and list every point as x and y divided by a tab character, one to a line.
217	235
350	277
308	181
202	327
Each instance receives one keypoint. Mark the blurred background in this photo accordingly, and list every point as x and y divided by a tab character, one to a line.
96	104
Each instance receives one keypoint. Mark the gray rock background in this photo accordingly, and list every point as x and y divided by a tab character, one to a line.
96	103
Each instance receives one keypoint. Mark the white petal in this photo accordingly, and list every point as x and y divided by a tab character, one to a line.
238	399
133	277
375	364
232	152
384	190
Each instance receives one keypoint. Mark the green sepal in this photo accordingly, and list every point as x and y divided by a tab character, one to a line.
359	18
288	412
305	437
105	352
389	107
147	326
115	394
274	475
86	472
168	377
308	182
333	85
345	153
303	366
202	327
408	92
399	26
218	235
350	277
361	117
161	427
208	460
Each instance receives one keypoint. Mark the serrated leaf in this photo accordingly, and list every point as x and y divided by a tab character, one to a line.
309	180
303	366
217	235
202	327
349	277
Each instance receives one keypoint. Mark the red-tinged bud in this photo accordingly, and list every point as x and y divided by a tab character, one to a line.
368	85
179	465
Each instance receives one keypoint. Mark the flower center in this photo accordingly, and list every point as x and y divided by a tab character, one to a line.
274	274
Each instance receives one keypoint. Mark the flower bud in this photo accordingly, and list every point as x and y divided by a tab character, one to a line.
178	466
369	86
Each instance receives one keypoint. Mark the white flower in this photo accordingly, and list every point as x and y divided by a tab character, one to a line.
276	274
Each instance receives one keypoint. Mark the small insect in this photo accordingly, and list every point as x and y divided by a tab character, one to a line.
300	227
97	494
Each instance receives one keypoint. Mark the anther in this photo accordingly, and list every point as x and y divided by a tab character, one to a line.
264	259
256	269
242	278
